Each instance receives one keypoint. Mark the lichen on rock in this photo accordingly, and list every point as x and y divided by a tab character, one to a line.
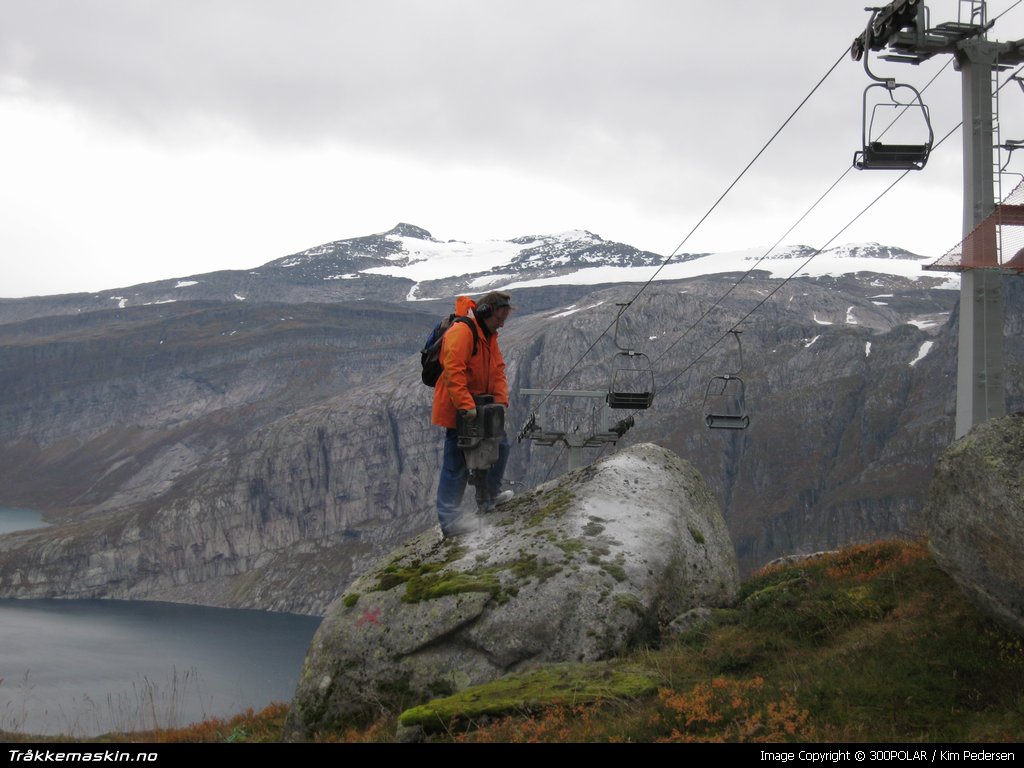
579	570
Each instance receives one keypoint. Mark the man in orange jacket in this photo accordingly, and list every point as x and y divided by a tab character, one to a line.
472	365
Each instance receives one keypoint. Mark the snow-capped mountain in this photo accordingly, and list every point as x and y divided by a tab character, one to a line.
407	263
410	253
438	269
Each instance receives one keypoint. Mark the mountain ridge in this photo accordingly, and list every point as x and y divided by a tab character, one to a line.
406	263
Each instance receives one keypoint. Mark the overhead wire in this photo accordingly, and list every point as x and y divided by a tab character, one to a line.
800	268
997	18
676	250
782	237
818	251
806	261
823	247
795	224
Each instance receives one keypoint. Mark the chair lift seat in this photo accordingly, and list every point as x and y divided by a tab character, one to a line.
632	400
909	157
737	417
726	421
632	383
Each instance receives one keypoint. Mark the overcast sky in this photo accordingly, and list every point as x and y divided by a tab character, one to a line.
149	139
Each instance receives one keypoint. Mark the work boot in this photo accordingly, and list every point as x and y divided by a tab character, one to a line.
460	527
495	501
502	497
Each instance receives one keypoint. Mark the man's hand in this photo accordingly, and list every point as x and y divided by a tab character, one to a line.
469	415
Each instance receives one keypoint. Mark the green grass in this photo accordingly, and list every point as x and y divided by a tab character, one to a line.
870	644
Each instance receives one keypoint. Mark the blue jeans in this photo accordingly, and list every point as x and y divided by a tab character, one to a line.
455	476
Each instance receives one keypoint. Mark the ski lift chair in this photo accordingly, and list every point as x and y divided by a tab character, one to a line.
875	154
632	379
632	382
726	408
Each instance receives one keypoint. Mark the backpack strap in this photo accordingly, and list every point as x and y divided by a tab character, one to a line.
472	327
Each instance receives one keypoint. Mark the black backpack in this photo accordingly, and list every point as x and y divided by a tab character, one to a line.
430	355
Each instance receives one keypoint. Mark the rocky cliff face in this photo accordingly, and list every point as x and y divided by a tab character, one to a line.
975	517
113	408
269	467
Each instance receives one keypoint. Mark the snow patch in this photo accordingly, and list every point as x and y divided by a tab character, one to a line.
867	349
487	280
185	283
821	322
850	319
494	264
926	347
432	261
572	310
809	343
240	298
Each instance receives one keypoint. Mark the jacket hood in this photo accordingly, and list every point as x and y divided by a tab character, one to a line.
463	304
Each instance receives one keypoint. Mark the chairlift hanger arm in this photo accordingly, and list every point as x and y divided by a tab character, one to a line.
739	345
886	22
902	26
622	309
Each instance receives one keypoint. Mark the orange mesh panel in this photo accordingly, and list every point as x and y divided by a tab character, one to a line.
996	243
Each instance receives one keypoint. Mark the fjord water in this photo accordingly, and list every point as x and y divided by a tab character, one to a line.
19	520
86	667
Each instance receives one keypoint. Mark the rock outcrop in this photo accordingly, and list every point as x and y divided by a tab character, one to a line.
975	517
580	569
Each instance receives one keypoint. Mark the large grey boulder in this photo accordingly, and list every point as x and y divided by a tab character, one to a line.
580	569
975	517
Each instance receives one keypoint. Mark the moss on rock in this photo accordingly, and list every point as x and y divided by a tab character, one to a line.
555	502
553	685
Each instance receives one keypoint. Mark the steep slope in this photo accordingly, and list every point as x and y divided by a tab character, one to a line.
110	408
849	387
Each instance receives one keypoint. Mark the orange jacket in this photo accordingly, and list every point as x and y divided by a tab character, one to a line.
464	373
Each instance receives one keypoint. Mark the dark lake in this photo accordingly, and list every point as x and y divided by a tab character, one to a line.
83	667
